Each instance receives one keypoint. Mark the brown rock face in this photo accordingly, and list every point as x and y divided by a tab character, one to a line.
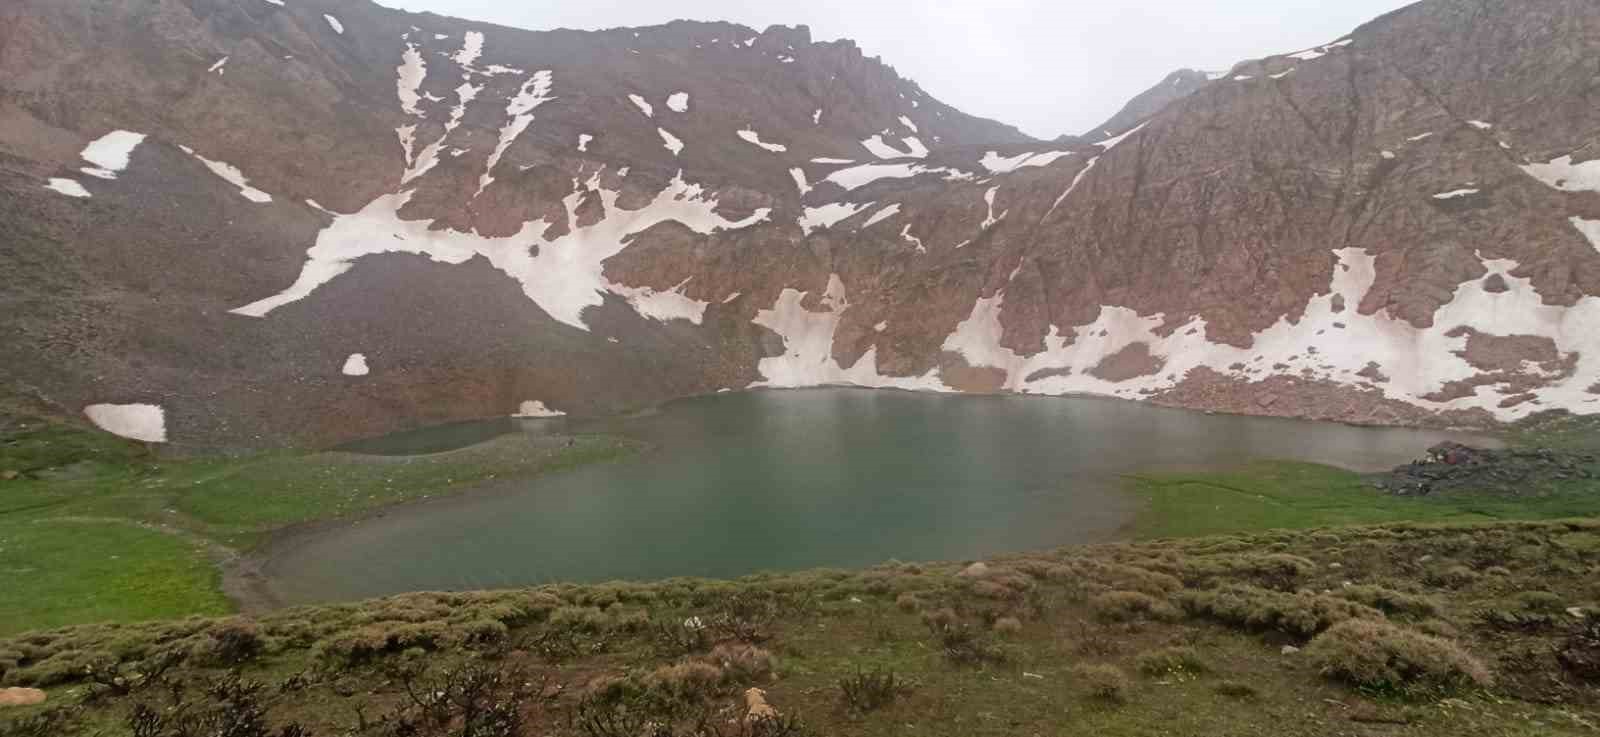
601	220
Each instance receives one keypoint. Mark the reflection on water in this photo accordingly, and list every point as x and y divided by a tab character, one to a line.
739	483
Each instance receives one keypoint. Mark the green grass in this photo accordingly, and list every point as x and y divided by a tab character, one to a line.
1291	495
99	529
63	571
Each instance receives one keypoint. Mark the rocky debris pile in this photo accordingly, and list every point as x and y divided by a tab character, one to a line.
1455	467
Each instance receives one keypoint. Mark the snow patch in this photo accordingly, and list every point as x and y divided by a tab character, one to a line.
827	160
334	24
1590	230
884	214
751	136
814	218
882	150
535	91
68	187
1480	125
905	121
800	182
231	174
997	164
905	235
816	117
216	67
355	365
1111	143
111	151
563	276
678	102
1454	193
535	409
670	141
147	422
583	141
643	105
807	336
860	176
988	199
1566	176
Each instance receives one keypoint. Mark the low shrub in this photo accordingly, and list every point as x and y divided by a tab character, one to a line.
1171	661
689	681
864	692
1125	606
1389	601
1007	626
1106	682
908	602
1252	608
742	662
1389	658
1236	690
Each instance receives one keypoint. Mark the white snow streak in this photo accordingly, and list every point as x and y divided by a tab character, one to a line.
68	187
884	214
110	152
1566	176
670	141
753	137
334	24
231	174
535	91
678	102
355	365
643	105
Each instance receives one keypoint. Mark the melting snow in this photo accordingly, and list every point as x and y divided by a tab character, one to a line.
905	234
563	276
411	71
800	182
1454	193
1074	185
997	164
355	365
731	297
535	91
826	160
881	215
988	199
808	360
68	187
678	102
217	67
816	117
1480	125
671	304
670	141
110	152
1282	74
755	138
334	24
278	3
827	215
858	176
1420	136
471	50
1111	143
231	174
147	422
1386	154
905	121
1566	176
882	150
583	141
535	409
643	105
1590	229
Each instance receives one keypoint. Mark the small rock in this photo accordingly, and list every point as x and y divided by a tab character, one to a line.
976	570
1336	566
1026	674
9	474
21	697
1577	611
1289	650
1424	559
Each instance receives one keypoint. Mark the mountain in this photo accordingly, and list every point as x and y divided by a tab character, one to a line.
1173	87
258	223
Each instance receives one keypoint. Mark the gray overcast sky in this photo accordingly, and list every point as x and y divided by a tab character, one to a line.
1046	66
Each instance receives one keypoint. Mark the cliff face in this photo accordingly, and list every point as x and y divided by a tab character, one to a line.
209	206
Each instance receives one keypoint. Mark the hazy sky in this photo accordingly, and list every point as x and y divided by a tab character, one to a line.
1046	66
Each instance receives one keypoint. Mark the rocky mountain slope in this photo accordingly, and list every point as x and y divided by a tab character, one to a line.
255	223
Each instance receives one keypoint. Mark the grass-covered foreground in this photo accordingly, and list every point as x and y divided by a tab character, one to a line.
94	528
1486	629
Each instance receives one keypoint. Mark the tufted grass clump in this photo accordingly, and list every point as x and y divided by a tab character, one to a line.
1387	658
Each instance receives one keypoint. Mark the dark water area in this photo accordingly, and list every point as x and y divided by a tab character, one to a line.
782	480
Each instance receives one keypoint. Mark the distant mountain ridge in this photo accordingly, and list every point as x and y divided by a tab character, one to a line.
211	208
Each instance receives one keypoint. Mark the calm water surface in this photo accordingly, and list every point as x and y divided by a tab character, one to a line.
746	482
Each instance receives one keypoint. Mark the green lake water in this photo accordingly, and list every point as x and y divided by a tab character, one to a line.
772	480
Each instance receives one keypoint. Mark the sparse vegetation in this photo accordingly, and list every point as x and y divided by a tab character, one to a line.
1385	657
